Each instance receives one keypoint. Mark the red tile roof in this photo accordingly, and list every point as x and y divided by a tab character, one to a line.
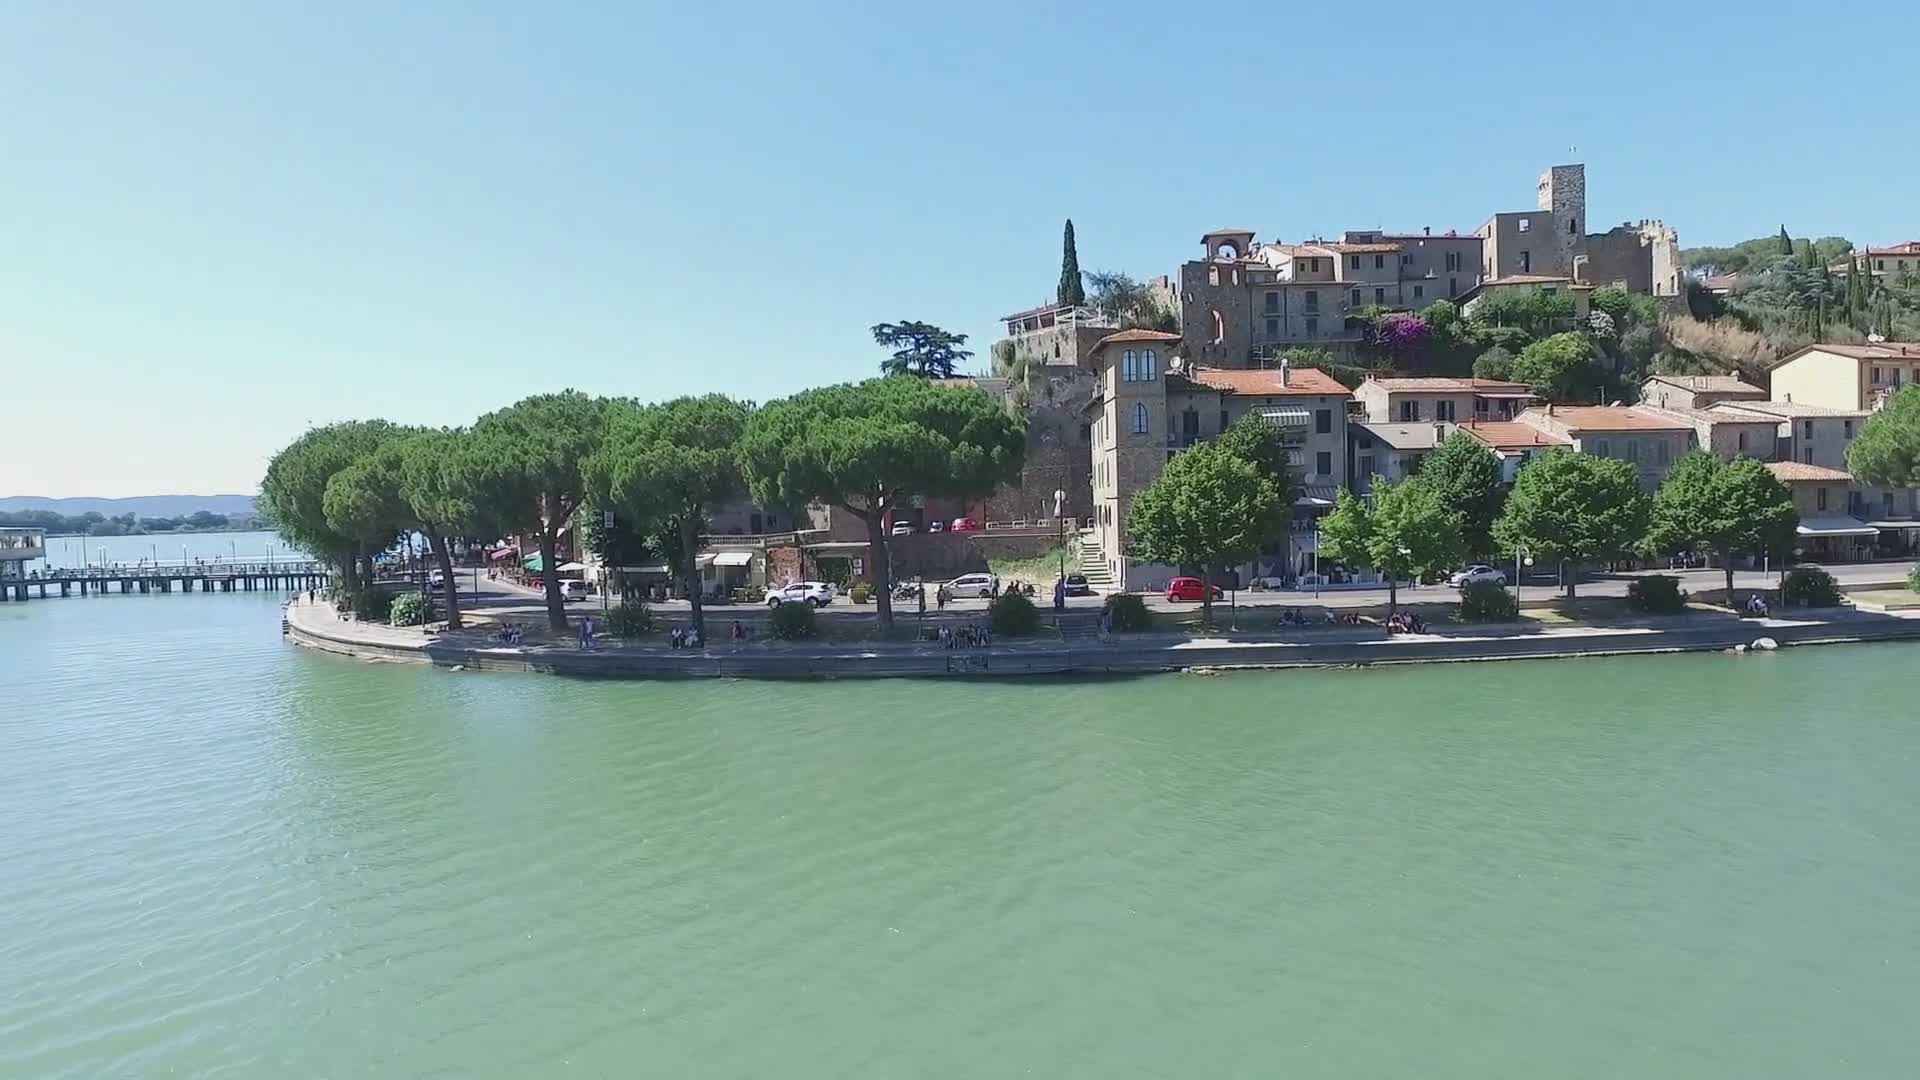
1614	418
1266	382
1364	249
1878	350
1439	385
1511	435
1125	337
1788	471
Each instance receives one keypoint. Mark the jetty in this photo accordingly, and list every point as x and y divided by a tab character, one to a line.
283	575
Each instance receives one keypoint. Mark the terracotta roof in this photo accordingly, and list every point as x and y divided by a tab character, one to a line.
1265	382
1364	249
1438	385
1779	410
1719	384
1614	418
1527	279
1878	350
1512	435
1789	471
1317	250
1911	247
1128	336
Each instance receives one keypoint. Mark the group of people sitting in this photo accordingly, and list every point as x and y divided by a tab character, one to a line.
968	637
1756	606
1406	622
688	638
511	634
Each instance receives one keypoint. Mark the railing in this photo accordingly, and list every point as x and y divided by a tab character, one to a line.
177	570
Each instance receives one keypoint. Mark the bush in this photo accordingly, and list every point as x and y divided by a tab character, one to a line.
860	593
791	621
1495	363
1810	586
1488	601
1013	615
409	609
372	605
1913	578
1129	614
631	619
1657	595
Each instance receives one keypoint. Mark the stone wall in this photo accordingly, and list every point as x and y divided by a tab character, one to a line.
1053	397
1620	256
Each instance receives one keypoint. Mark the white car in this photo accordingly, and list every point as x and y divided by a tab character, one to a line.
817	593
981	585
1474	575
573	589
936	526
902	528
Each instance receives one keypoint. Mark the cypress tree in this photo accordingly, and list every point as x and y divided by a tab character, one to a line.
1072	291
1786	242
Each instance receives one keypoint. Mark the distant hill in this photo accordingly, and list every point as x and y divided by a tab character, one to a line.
142	505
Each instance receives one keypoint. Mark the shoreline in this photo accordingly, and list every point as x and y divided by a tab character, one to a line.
314	626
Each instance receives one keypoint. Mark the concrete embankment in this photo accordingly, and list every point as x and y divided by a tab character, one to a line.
314	626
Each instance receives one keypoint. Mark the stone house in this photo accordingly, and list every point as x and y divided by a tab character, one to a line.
1644	438
1417	400
1043	363
1388	450
1697	391
1829	529
1885	264
1146	410
1846	376
1516	443
1726	434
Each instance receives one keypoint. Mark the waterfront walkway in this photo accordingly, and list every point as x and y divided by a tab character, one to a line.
315	625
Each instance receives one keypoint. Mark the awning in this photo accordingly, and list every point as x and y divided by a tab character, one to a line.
572	567
1287	416
650	568
1904	524
702	560
1835	525
733	558
1317	495
502	553
535	563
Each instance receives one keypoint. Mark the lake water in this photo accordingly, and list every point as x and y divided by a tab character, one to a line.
223	856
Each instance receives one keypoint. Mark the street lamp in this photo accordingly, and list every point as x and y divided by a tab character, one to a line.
1060	584
1520	554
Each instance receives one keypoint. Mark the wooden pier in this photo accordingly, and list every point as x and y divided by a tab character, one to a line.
279	576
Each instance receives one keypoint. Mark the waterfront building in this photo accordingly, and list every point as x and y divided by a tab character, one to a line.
18	547
1393	399
1846	376
1828	531
1516	443
1647	439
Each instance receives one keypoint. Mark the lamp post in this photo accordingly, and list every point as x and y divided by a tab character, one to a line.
1519	554
1060	584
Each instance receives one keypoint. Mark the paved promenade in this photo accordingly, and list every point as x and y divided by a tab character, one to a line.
316	626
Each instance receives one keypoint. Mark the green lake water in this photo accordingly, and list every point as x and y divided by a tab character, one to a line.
223	856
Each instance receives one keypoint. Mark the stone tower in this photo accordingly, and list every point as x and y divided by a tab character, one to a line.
1563	191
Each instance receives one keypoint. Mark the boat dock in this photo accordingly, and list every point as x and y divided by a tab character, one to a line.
279	575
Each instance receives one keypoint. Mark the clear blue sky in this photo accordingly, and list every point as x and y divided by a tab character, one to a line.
220	222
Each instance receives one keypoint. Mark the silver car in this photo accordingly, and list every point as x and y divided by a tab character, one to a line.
817	593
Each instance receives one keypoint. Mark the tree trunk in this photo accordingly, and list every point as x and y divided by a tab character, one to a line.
690	552
877	573
1393	595
550	577
445	559
1206	598
1571	573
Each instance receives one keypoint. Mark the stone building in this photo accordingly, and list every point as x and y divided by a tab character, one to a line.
1552	240
1647	439
1697	391
1147	408
1044	362
1415	400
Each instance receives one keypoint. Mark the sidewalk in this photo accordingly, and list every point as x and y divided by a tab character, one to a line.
315	626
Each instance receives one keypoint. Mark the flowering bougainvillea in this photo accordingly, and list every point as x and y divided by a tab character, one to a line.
1400	336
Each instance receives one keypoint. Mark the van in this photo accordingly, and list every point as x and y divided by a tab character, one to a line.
573	589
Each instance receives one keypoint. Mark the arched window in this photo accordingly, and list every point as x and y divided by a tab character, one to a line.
1130	367
1147	364
1140	418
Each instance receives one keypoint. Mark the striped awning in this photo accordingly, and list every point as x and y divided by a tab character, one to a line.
1287	416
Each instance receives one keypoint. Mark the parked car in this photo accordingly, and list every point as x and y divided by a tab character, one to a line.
817	593
964	524
1077	585
573	589
936	526
902	528
982	585
1474	575
1189	589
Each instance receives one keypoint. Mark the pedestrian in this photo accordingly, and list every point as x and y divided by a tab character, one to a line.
1060	594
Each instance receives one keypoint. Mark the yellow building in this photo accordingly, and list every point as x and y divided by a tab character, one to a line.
1846	376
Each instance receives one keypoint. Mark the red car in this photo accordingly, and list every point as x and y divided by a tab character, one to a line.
1188	588
964	524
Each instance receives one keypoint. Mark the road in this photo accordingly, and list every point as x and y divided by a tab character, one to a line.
499	598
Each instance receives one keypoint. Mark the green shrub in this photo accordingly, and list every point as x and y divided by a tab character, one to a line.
1128	613
409	609
372	605
1657	594
631	619
1013	615
860	594
1488	601
791	621
1913	578
1810	586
